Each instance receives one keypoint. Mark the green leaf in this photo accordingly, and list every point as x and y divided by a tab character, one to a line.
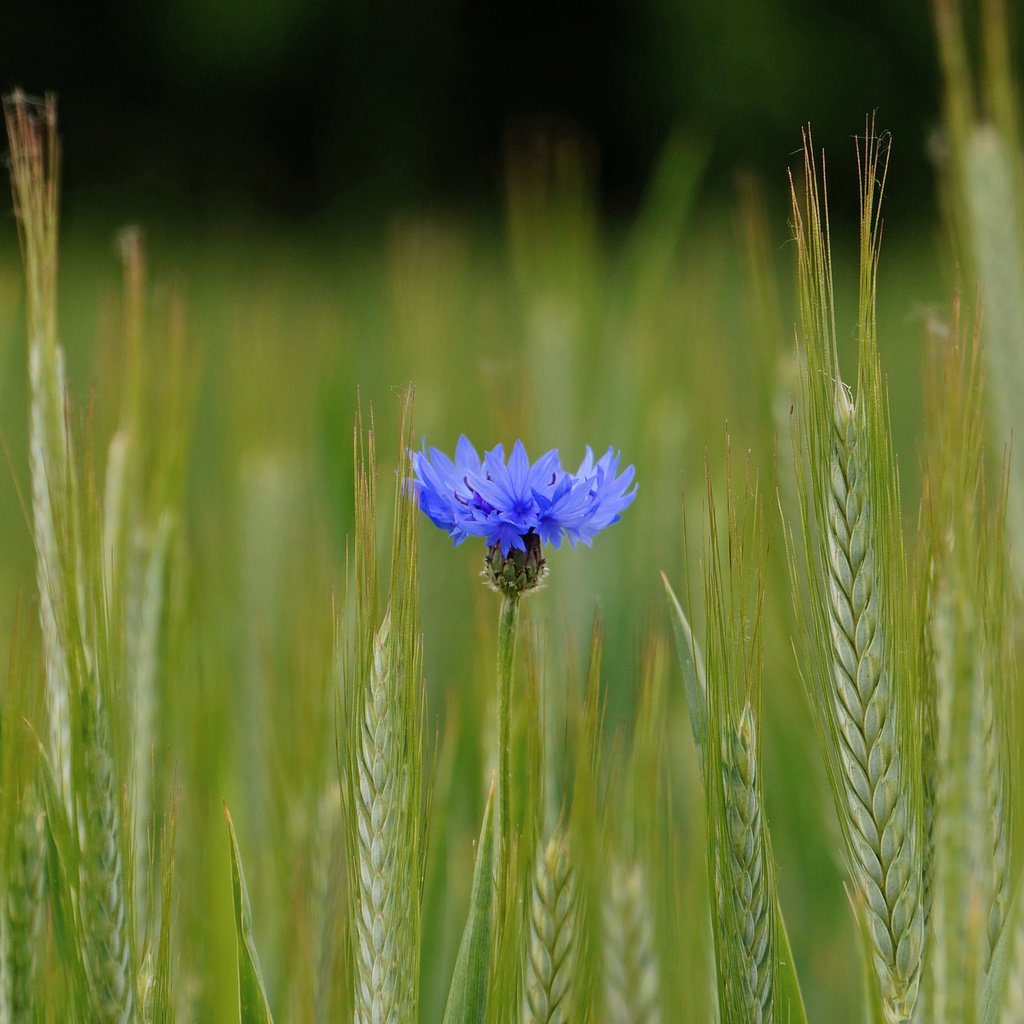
790	1000
692	664
252	996
467	998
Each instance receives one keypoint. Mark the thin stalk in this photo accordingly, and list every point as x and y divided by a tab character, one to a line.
508	627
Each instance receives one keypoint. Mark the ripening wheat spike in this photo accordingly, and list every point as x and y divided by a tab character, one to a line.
748	869
551	943
378	796
883	843
632	988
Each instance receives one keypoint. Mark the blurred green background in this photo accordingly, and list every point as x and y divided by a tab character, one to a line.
285	110
568	227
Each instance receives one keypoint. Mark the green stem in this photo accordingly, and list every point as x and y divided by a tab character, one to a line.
508	626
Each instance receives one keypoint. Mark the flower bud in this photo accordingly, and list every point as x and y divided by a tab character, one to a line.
518	572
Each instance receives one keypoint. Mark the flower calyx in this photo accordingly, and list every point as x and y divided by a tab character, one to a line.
518	572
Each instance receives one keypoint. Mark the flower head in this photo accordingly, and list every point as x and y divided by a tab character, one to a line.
516	506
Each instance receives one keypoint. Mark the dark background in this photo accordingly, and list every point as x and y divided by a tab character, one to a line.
286	109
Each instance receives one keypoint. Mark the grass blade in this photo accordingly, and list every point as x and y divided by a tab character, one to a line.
253	1007
789	998
692	664
467	999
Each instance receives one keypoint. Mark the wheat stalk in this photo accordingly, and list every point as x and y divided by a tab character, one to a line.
551	943
632	987
882	839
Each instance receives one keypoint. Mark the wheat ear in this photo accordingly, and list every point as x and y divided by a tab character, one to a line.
632	984
103	880
992	205
883	843
45	463
750	909
378	798
24	912
35	181
550	954
971	866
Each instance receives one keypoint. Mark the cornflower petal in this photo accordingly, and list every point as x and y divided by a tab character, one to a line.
507	501
507	487
546	473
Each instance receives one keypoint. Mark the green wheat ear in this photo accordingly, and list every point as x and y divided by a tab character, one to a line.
550	973
88	785
864	680
103	885
382	752
970	671
23	909
632	984
635	891
748	868
83	778
23	849
745	907
379	795
984	203
35	180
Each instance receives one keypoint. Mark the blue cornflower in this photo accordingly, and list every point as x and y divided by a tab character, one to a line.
516	505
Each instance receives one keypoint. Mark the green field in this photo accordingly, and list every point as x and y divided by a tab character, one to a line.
206	567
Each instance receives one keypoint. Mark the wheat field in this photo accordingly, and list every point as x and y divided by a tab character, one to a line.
720	725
